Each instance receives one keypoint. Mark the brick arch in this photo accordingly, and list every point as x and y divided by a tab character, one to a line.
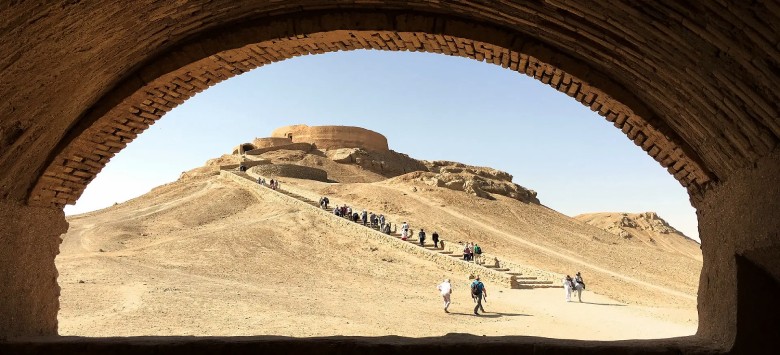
170	80
702	73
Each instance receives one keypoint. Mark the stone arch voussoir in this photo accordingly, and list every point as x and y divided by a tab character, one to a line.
168	82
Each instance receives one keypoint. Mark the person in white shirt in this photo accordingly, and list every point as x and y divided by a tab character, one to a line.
445	288
568	286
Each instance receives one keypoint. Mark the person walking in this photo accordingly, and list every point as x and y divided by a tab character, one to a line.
421	236
435	238
477	254
445	288
579	285
364	217
478	291
326	201
471	251
466	252
568	286
404	231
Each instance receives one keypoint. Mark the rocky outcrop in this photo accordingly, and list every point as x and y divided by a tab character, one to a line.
628	225
387	163
478	181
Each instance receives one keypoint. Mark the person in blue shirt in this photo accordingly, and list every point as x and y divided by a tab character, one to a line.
477	292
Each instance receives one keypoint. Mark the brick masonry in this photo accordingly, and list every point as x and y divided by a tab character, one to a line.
693	83
67	177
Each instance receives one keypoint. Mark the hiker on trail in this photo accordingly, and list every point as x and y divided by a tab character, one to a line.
260	180
241	167
349	212
364	217
445	288
478	254
579	285
381	221
337	211
355	217
404	231
322	202
372	219
271	184
471	251
435	238
326	201
466	252
477	292
421	236
568	285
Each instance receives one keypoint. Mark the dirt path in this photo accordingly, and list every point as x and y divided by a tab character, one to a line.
546	250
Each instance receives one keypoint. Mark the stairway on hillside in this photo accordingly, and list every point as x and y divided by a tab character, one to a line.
525	279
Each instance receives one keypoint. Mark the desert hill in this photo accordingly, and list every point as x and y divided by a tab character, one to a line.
646	227
207	255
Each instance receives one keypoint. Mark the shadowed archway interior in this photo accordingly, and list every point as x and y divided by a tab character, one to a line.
691	83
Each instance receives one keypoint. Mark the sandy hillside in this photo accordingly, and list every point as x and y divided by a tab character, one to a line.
646	227
207	255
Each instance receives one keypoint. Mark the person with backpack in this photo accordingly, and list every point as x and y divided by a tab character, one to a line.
579	285
445	288
478	254
435	238
364	217
421	236
466	252
477	292
326	201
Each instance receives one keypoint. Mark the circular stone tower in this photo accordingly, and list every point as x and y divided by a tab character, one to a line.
332	137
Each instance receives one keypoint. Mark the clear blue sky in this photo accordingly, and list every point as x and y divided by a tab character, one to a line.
428	106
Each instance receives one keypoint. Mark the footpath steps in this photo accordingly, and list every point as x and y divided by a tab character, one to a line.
513	277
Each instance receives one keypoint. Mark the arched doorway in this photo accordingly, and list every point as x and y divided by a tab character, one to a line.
694	94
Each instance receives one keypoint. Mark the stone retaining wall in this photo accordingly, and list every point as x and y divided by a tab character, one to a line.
289	146
292	171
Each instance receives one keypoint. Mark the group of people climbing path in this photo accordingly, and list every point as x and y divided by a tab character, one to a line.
368	219
472	252
273	184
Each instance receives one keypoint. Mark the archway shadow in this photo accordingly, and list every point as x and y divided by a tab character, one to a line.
492	314
603	304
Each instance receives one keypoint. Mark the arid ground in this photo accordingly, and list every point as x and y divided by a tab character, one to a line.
207	256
